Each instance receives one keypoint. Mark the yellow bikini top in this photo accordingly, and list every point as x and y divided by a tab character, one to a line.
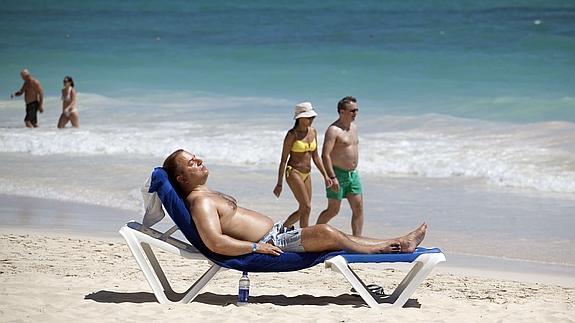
300	146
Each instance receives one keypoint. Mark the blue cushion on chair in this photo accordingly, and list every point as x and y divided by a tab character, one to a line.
255	262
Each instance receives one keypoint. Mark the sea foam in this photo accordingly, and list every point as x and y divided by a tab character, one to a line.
528	156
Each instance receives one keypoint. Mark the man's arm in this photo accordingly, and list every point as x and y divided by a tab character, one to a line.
319	164
209	227
19	92
39	94
328	144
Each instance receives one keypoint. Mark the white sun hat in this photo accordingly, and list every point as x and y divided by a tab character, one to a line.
304	110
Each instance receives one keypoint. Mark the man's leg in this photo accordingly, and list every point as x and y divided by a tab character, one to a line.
323	237
27	121
408	242
356	205
31	118
35	119
332	210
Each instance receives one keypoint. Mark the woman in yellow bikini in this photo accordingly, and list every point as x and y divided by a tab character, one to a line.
300	146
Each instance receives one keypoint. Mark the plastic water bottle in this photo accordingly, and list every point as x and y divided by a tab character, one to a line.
244	290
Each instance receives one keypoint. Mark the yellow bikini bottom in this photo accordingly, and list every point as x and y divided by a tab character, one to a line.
303	176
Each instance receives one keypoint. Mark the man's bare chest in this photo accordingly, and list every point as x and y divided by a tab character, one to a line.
346	139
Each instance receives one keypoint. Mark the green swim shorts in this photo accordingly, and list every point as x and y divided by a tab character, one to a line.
349	183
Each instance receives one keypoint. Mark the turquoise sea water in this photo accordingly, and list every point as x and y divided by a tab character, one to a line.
467	109
494	60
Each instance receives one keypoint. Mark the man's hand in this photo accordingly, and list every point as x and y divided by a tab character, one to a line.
268	248
41	109
334	185
328	182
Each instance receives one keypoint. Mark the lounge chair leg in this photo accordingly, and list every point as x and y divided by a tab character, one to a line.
157	270
191	293
155	276
339	264
424	264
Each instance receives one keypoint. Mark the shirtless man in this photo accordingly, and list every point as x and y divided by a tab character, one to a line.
340	156
34	97
231	230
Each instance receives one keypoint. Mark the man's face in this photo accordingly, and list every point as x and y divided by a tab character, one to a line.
192	169
25	76
350	111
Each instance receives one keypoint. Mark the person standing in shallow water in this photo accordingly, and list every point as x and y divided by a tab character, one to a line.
69	105
340	155
33	96
299	149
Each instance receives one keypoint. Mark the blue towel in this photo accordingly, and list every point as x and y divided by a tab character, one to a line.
255	262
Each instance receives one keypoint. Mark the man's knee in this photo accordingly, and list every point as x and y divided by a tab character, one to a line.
355	203
305	208
326	230
333	207
357	210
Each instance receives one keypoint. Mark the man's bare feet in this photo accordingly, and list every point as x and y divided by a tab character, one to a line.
387	247
411	240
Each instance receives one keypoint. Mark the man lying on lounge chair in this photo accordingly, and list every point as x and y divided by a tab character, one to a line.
228	229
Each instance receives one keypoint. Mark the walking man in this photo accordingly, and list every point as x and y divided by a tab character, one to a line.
340	155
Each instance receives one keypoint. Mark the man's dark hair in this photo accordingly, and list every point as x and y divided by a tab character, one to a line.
171	167
343	103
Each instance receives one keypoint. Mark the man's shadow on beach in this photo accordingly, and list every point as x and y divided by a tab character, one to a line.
105	296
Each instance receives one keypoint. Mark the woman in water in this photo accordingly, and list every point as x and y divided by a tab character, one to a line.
299	148
69	105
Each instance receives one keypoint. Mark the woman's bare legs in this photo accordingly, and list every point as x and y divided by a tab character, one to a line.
72	117
75	119
302	193
63	120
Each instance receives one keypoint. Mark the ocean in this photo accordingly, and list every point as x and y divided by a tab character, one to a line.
467	109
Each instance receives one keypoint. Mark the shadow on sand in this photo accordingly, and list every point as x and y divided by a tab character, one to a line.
105	296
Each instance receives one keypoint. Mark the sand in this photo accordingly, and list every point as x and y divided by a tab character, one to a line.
55	278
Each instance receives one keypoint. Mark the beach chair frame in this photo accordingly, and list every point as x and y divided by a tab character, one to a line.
140	239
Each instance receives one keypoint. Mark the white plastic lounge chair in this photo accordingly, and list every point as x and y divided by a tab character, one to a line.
140	239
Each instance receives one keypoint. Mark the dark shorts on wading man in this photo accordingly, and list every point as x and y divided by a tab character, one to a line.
32	112
349	183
